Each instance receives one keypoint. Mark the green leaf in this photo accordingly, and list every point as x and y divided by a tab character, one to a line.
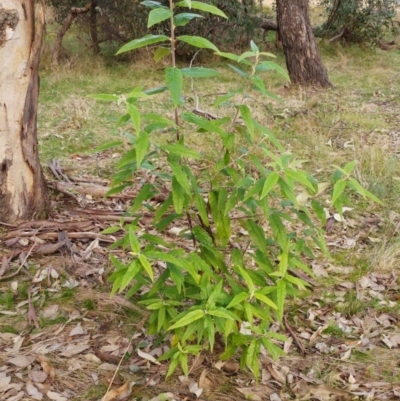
270	65
136	93
158	15
259	84
372	196
173	364
141	145
247	279
183	360
301	177
135	116
255	189
105	97
164	256
319	210
273	349
162	209
238	71
174	81
197	41
254	47
287	190
283	263
238	299
155	91
279	232
280	298
203	123
181	177
212	299
178	195
199	72
362	191
257	235
232	56
160	53
338	189
144	194
147	266
224	98
246	55
182	151
248	120
135	245
252	357
349	167
117	263
222	312
202	7
156	118
269	184
217	200
161	318
183	18
151	4
301	284
111	230
132	271
265	300
202	236
108	145
189	267
145	41
188	318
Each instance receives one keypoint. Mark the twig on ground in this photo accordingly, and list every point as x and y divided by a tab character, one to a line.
138	327
295	338
6	224
21	265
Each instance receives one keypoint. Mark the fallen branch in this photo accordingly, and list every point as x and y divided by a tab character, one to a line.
21	265
338	36
295	338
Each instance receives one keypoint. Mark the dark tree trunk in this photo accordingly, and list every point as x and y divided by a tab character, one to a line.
69	19
93	28
302	56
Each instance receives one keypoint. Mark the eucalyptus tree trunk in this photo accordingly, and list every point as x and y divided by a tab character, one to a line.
303	60
22	187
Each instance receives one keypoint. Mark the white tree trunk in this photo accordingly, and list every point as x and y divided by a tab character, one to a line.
22	189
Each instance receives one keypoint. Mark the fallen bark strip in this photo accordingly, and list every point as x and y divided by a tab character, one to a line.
54	235
60	225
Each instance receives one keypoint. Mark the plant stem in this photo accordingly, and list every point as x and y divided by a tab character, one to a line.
173	58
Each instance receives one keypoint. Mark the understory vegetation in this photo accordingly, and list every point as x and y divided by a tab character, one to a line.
344	309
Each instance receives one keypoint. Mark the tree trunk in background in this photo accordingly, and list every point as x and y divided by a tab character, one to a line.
302	56
93	28
22	187
69	19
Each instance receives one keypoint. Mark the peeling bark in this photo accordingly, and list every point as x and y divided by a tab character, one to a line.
22	186
303	60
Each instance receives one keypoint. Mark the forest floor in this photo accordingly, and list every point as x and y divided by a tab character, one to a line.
63	338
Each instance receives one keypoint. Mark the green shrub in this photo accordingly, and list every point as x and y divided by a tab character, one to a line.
358	21
216	287
127	19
